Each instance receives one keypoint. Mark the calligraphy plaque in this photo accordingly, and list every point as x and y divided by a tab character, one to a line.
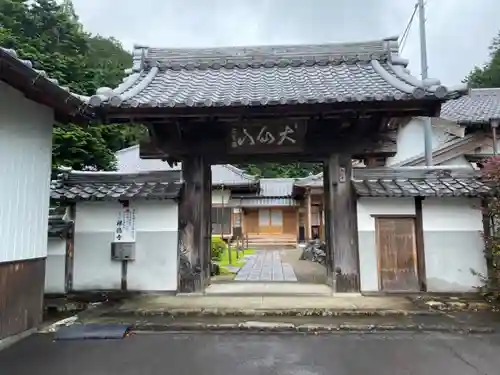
267	137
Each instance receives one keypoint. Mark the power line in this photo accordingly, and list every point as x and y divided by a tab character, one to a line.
404	36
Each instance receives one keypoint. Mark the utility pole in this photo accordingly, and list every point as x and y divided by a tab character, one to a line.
424	68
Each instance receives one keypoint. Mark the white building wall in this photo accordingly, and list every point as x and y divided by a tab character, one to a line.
452	241
25	165
128	161
410	140
156	257
55	266
454	249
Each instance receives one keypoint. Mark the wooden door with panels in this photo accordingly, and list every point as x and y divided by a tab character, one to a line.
251	221
397	254
270	220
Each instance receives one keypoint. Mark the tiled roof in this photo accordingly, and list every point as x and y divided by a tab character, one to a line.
479	107
276	187
58	227
270	75
228	175
273	192
129	161
262	202
42	88
412	182
78	186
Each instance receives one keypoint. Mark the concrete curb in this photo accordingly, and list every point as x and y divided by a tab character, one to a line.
262	313
11	340
271	327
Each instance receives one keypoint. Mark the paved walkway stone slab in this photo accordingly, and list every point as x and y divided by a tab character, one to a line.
266	265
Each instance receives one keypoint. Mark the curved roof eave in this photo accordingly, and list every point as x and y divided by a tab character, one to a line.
397	75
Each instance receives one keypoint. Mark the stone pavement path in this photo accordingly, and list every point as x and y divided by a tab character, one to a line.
266	265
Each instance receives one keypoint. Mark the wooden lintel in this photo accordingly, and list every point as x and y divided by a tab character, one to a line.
382	145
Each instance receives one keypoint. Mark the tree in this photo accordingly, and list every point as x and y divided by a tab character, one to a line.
273	170
79	148
51	36
489	74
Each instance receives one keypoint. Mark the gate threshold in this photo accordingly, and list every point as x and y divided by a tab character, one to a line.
271	288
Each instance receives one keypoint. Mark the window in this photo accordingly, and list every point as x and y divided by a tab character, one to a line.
221	220
270	217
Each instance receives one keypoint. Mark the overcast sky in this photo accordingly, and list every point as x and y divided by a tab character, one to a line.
458	31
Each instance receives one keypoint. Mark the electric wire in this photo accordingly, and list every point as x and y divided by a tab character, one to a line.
404	36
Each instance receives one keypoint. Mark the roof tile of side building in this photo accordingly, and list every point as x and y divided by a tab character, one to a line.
481	106
84	186
37	86
222	174
270	75
411	182
58	226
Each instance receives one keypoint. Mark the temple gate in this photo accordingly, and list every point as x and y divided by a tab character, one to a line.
318	103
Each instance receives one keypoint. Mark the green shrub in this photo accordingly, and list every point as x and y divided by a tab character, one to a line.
218	247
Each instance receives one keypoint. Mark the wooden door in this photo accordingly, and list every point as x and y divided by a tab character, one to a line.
270	221
251	221
290	221
397	254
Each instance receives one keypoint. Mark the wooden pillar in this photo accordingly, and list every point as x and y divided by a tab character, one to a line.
206	236
195	225
341	227
419	237
308	216
321	224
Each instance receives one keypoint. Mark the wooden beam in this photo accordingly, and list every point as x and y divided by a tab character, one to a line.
69	263
341	224
317	149
194	222
419	237
309	216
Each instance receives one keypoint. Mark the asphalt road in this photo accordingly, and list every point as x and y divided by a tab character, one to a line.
242	354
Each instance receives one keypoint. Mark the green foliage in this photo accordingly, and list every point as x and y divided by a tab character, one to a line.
273	170
489	74
50	35
218	247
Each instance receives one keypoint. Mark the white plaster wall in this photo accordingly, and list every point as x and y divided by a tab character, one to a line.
25	164
410	140
55	266
155	266
366	234
128	161
453	244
